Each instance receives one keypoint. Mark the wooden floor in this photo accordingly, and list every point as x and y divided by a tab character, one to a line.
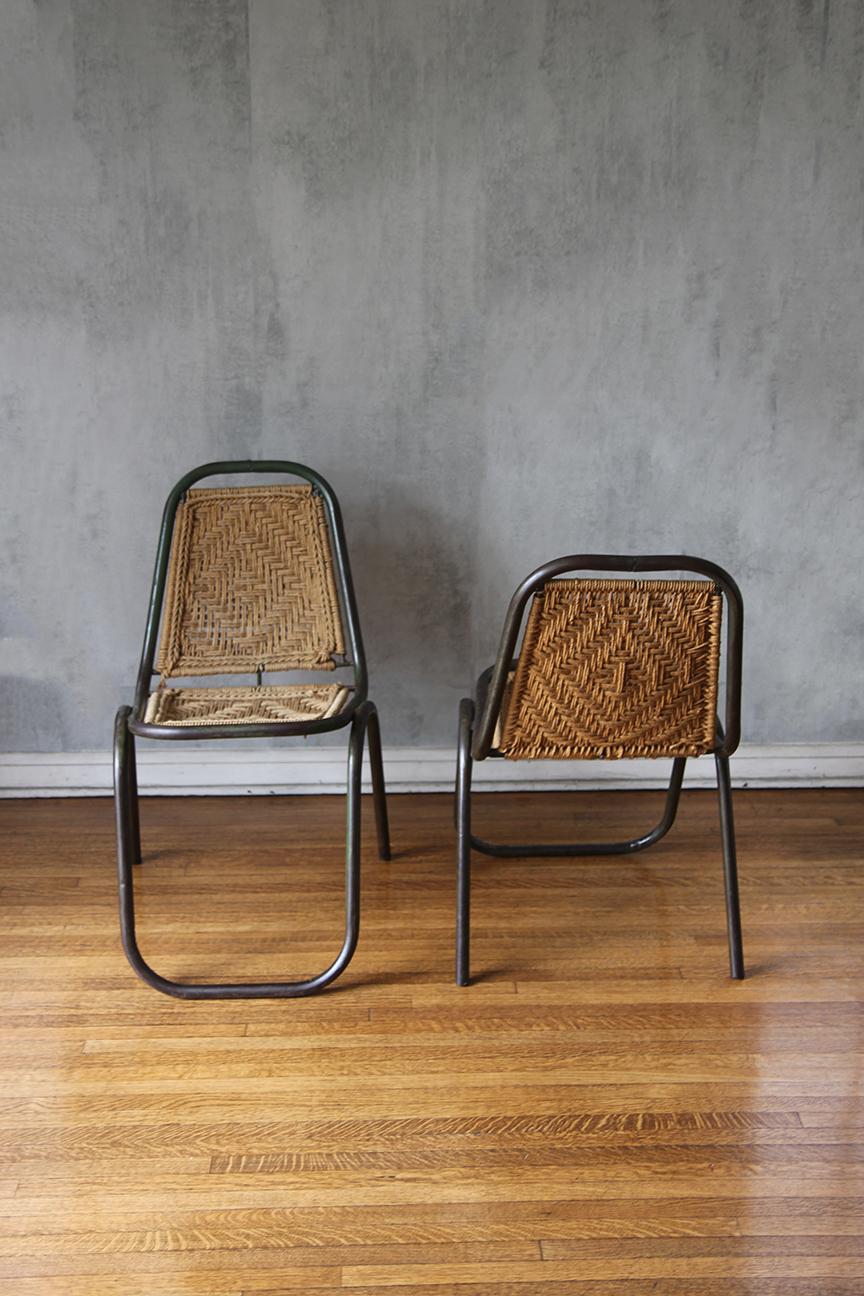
602	1112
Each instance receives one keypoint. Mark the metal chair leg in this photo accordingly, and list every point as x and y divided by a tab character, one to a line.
730	869
463	836
123	791
379	791
132	800
465	843
551	851
125	835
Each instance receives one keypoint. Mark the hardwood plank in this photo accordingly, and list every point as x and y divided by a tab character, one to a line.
276	1144
690	1267
428	1224
113	1284
369	1188
727	1286
214	1103
655	1248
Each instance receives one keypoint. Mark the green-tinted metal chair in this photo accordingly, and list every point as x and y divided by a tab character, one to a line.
607	669
249	580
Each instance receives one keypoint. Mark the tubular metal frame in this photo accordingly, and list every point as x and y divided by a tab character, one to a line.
475	743
360	714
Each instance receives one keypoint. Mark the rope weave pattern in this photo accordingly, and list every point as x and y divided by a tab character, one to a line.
616	668
229	706
250	584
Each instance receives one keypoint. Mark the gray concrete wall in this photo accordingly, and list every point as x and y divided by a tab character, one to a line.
520	277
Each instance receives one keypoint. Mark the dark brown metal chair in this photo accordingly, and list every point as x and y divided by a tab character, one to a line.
248	580
608	668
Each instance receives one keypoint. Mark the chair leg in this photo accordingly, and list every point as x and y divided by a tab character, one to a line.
132	800
379	791
465	842
730	869
463	837
125	833
575	849
125	821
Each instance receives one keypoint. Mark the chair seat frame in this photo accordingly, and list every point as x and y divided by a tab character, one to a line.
359	714
478	717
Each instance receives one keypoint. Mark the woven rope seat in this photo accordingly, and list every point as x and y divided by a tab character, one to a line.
229	706
615	668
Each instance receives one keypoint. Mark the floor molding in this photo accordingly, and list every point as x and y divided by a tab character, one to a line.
199	772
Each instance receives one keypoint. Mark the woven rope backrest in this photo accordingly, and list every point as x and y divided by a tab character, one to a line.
250	584
615	668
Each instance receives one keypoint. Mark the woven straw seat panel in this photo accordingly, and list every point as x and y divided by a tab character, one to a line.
611	669
268	704
250	584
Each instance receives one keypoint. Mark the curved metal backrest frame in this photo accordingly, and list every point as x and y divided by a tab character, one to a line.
729	734
341	567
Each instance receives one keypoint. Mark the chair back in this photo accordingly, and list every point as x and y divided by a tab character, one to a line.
250	584
616	668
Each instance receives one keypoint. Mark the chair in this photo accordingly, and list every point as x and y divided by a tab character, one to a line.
248	580
608	668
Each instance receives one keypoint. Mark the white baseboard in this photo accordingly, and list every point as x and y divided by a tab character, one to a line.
171	771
